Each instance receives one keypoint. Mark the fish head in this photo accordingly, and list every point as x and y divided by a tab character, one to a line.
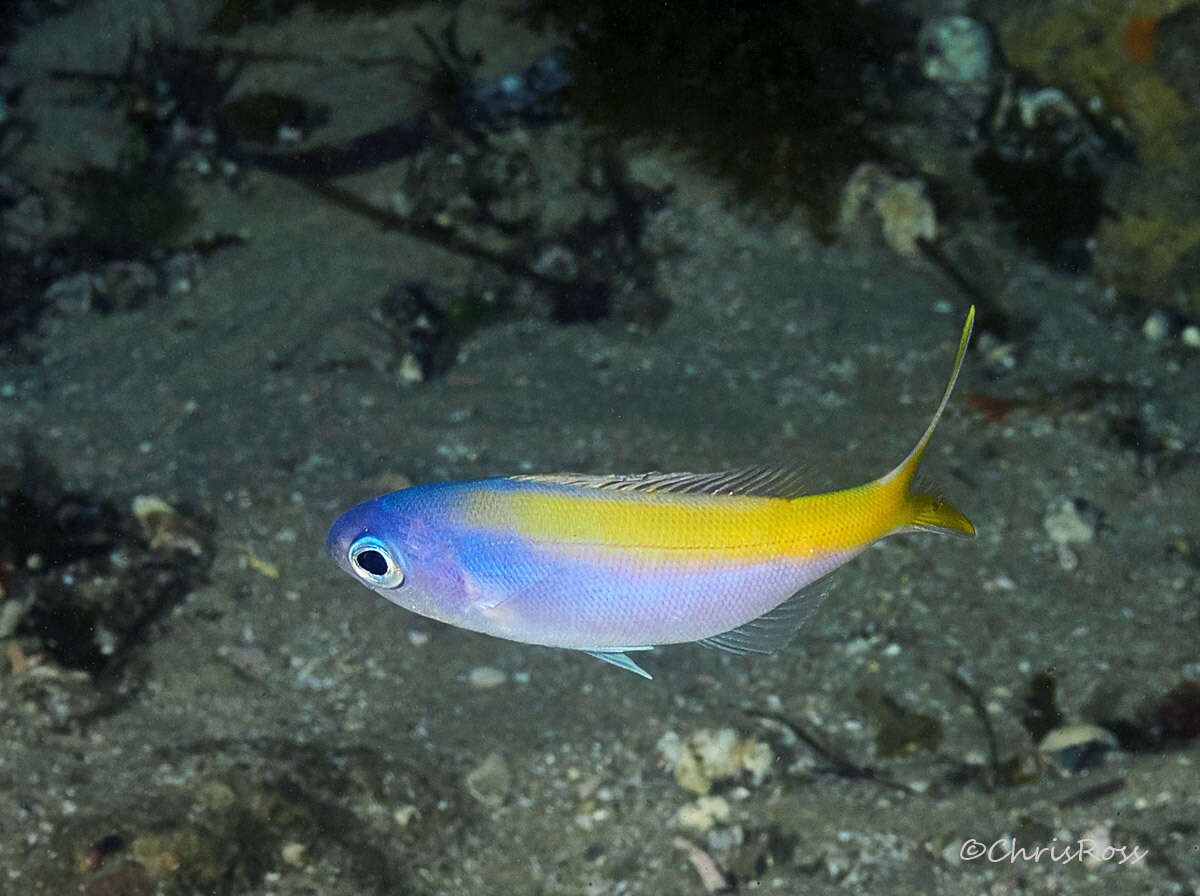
397	546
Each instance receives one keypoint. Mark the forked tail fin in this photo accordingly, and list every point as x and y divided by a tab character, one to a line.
920	511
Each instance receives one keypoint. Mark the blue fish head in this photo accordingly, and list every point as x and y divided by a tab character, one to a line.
400	546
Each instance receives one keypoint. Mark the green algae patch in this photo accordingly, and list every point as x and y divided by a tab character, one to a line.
1136	65
1155	256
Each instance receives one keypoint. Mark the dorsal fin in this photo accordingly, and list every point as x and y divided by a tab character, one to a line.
760	481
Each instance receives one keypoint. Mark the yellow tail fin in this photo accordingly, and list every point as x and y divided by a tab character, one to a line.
927	512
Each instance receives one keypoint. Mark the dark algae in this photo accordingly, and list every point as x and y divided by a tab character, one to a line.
93	578
775	98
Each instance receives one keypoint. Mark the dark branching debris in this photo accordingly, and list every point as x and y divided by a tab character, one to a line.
783	102
169	95
1166	722
91	576
1044	159
124	243
233	15
264	116
775	97
127	212
1161	723
786	101
1117	408
1040	713
592	270
186	116
837	763
18	14
24	275
23	283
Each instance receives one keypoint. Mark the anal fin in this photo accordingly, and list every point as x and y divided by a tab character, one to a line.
773	630
620	660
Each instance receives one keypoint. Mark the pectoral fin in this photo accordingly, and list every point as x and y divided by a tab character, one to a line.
620	660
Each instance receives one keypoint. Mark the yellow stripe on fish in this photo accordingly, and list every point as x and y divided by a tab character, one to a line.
640	512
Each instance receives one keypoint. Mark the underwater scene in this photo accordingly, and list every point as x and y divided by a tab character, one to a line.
599	447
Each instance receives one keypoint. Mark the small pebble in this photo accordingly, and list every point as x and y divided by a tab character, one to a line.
1101	836
874	201
391	481
1067	558
711	877
647	170
710	756
264	568
410	371
1074	747
417	638
489	781
955	49
485	677
1191	336
704	813
1066	523
1157	326
10	614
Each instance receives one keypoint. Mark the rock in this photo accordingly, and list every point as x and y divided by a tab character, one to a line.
486	677
489	781
1068	560
711	877
11	612
391	481
648	171
1157	326
711	756
907	215
956	50
704	813
165	529
898	211
1074	747
1068	522
128	284
74	293
557	261
410	370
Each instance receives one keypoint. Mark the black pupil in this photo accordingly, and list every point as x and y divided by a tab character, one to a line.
373	562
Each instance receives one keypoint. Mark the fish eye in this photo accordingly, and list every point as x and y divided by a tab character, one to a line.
373	562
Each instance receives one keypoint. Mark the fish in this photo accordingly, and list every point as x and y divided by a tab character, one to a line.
613	565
